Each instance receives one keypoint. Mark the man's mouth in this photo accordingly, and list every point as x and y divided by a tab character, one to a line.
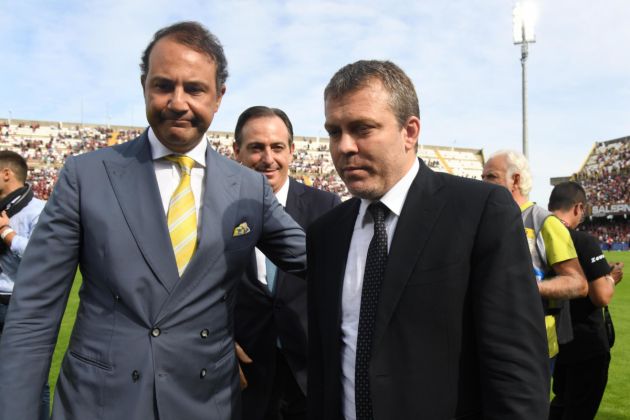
181	123
353	169
269	171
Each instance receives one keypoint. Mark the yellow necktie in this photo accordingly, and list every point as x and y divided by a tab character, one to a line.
182	215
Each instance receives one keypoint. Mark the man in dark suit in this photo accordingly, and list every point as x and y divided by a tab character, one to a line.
162	228
270	317
422	303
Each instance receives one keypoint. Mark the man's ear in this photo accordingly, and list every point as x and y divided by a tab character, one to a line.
412	132
516	182
220	98
143	79
6	174
236	150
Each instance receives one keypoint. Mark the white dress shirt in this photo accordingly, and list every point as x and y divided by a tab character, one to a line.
261	267
168	173
353	278
23	224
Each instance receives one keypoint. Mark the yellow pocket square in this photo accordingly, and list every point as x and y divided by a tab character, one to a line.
241	230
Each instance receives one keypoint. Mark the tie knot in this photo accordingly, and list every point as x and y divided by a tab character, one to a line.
185	163
378	211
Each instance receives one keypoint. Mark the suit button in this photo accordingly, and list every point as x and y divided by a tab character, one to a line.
155	332
117	298
135	375
204	333
203	372
224	297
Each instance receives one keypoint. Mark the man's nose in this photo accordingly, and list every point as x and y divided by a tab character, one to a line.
267	155
347	144
177	102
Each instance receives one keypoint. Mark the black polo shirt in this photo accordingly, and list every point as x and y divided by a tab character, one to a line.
589	332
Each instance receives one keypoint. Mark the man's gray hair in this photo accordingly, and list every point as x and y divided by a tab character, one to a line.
402	94
517	164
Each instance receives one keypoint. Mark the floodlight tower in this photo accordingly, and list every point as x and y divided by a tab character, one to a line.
523	17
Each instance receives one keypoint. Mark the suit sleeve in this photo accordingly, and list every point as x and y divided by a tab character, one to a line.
315	381
283	240
335	200
508	316
37	306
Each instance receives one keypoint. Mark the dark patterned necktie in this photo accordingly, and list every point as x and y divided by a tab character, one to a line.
372	280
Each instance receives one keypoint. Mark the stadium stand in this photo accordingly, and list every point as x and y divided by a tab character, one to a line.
47	144
605	177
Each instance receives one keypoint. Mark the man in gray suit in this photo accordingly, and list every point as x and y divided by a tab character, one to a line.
153	338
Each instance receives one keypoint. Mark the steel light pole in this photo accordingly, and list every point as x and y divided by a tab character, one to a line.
523	17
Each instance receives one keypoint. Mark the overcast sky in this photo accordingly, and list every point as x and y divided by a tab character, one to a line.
73	60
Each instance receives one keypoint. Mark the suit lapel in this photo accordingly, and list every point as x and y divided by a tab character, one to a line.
420	212
339	245
136	189
217	217
294	209
217	213
294	200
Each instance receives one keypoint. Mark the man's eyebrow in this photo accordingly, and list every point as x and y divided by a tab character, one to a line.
159	77
196	82
255	143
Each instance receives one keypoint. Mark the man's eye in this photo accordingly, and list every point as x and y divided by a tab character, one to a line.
162	85
333	133
194	89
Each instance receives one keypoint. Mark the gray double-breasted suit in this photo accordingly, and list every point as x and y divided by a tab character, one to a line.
146	344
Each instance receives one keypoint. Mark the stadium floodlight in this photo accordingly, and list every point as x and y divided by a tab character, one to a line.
524	17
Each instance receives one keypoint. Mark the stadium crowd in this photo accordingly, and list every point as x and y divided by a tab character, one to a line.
609	232
605	177
46	146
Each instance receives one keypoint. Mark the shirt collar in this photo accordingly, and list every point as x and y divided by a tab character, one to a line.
394	199
283	193
526	205
159	151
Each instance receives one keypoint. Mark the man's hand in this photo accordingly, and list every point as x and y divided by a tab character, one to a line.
617	271
4	219
242	358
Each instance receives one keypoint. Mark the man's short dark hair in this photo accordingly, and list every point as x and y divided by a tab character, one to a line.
402	94
197	37
566	195
260	111
15	162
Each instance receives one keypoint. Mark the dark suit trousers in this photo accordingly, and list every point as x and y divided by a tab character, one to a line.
287	400
579	388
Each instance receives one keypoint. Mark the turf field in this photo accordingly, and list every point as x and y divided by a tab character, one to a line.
616	403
